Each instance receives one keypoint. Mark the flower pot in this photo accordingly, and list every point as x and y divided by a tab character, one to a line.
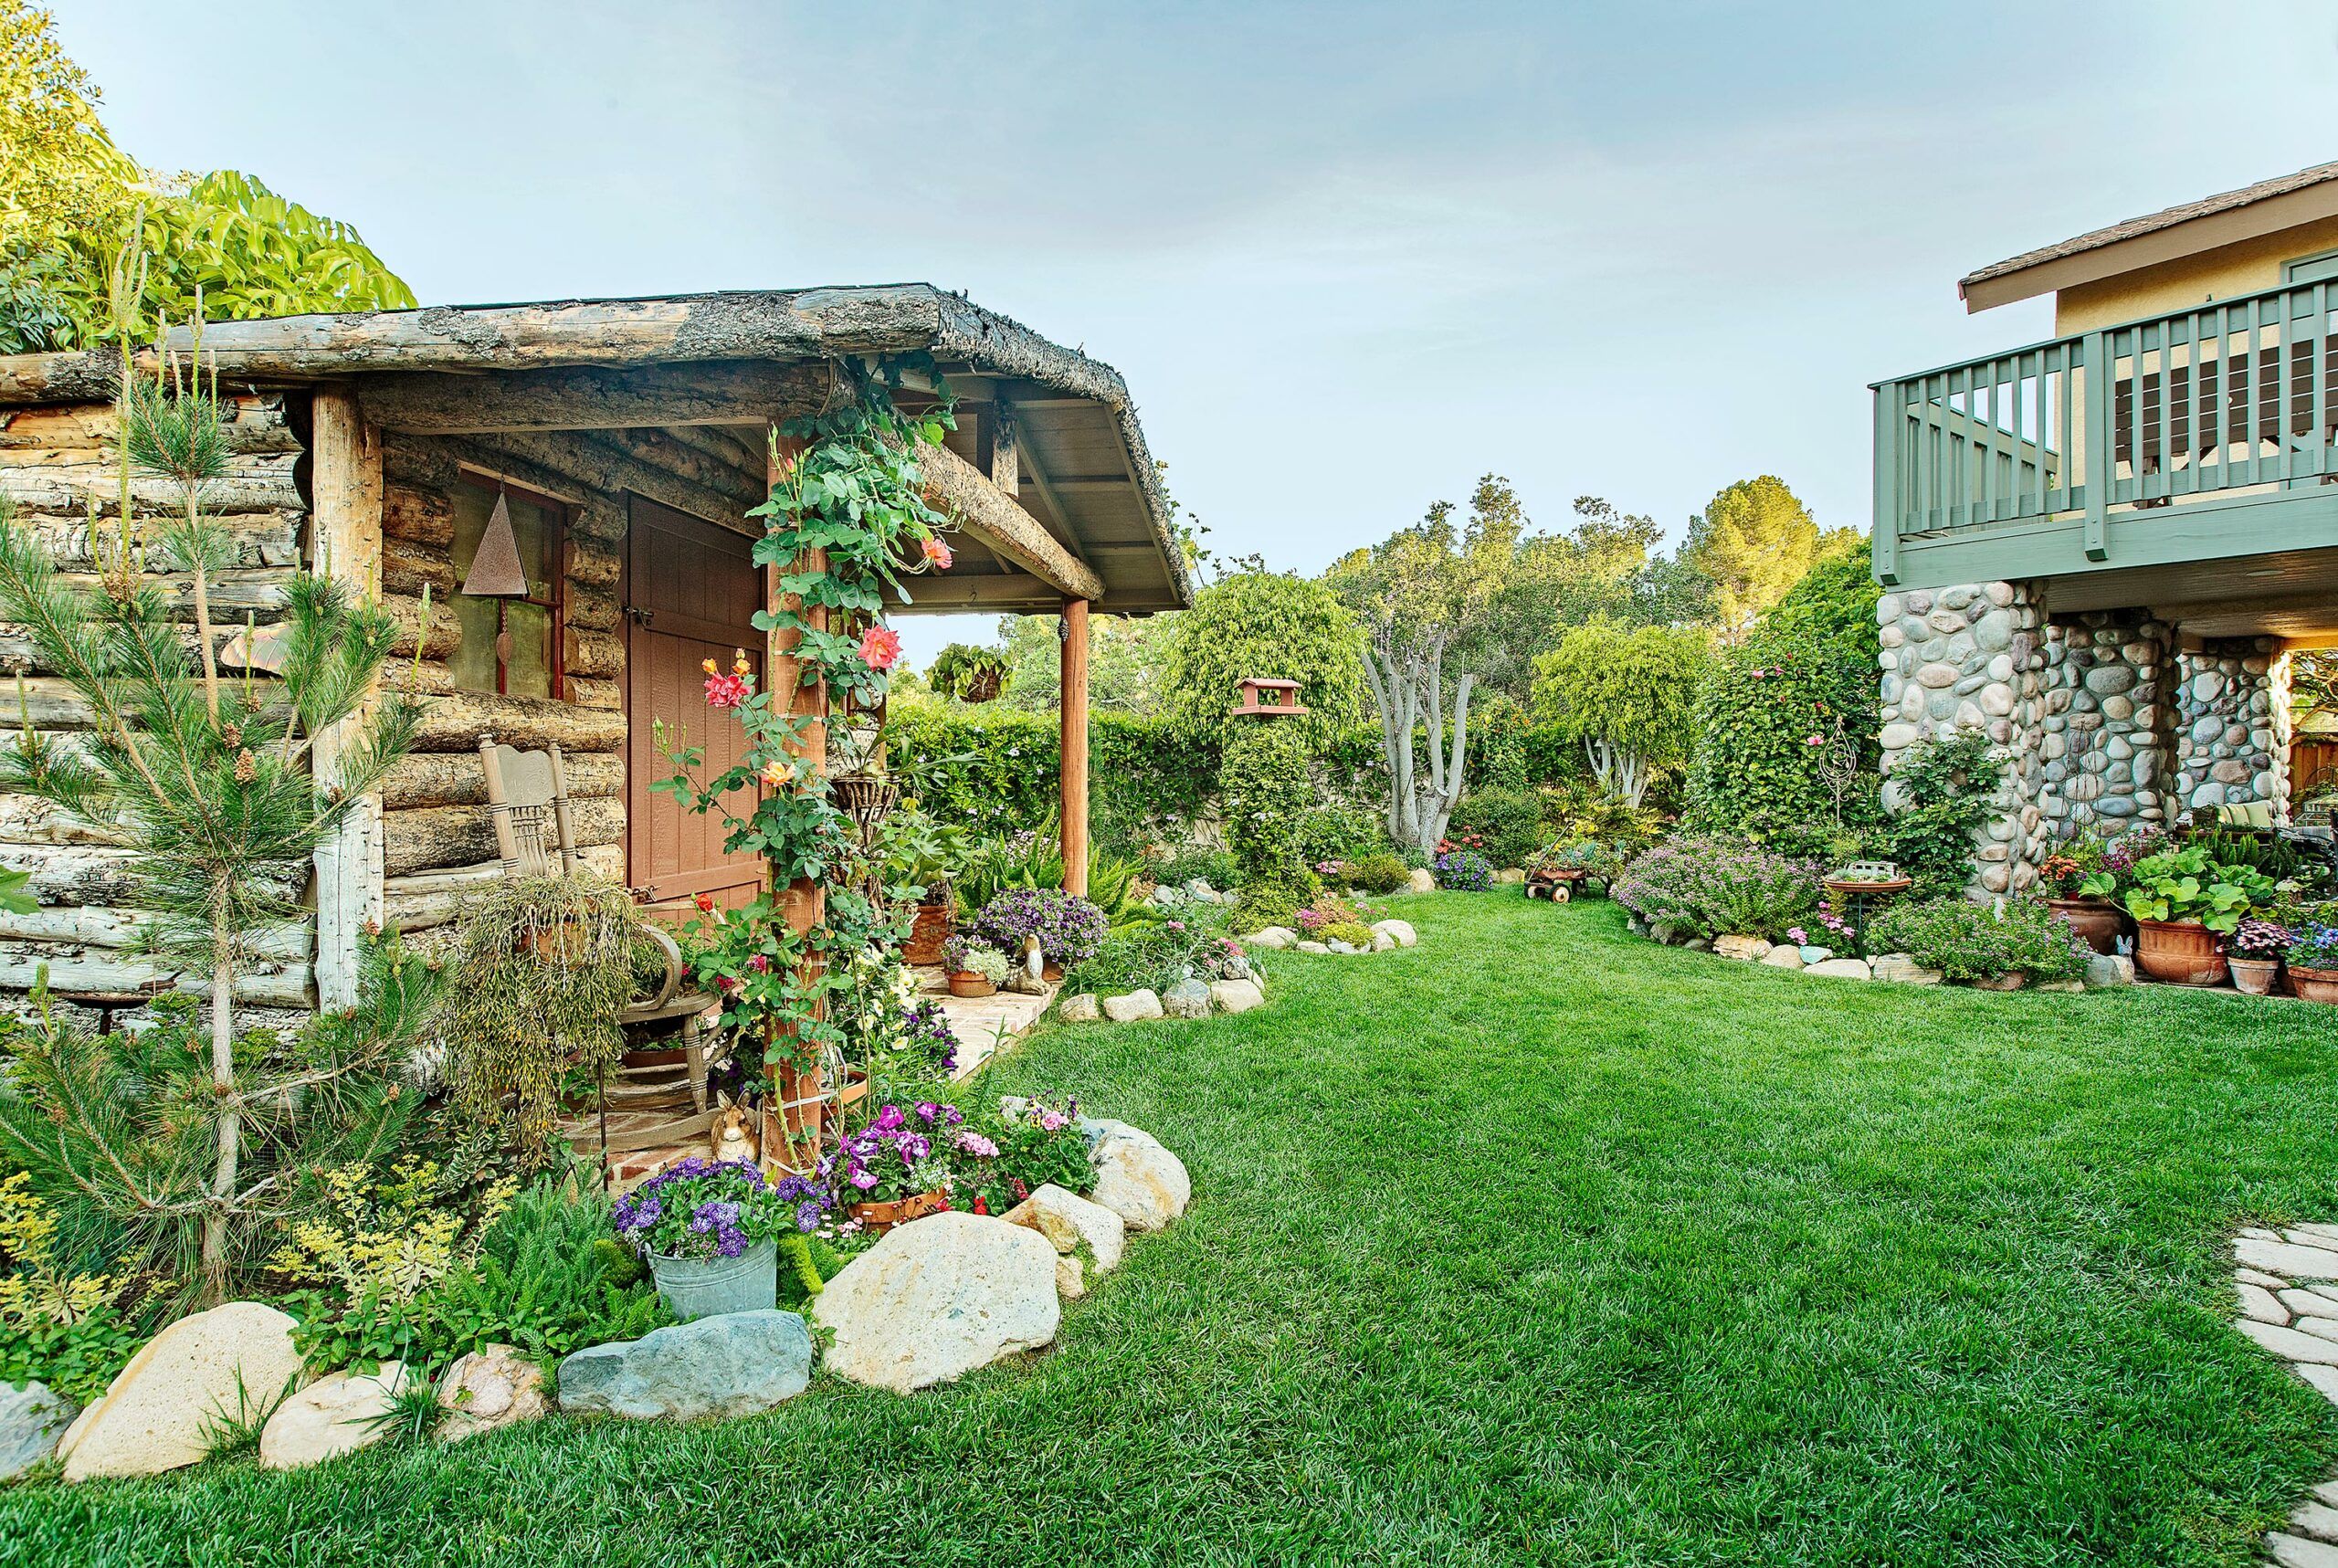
2254	976
1051	972
2098	922
928	932
709	1287
966	982
879	1218
2314	984
2182	953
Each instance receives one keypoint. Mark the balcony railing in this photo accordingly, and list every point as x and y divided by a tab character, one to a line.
2079	442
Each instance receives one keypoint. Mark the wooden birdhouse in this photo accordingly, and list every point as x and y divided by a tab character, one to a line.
1265	699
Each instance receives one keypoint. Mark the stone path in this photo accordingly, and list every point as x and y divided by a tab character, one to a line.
2288	1286
984	1025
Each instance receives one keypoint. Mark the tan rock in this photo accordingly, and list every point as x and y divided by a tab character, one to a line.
1785	955
1236	995
336	1414
1401	929
495	1386
1071	1277
1421	881
158	1412
1139	1180
1743	949
1839	969
1069	1221
934	1300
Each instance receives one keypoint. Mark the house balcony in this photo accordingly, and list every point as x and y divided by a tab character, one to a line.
2188	462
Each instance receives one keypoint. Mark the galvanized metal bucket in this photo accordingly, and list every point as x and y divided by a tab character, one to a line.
710	1286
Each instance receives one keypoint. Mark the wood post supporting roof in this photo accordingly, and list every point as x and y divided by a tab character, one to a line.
346	481
1072	709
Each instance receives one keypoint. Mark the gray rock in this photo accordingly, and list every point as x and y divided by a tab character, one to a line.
935	1299
1841	969
1236	996
1084	1008
1277	937
32	1419
1189	998
2106	970
1200	891
1813	954
1785	955
1900	970
735	1363
1317	948
1344	949
1135	1004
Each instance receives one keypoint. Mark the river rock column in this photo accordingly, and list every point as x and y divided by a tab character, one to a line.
2104	753
1972	656
2232	725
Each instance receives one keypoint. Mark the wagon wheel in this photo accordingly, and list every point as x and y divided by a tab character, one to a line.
1561	893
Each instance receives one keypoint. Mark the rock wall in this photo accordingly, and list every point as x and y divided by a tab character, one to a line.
2232	725
2105	721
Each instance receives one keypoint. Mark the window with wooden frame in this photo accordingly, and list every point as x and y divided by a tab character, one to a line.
510	646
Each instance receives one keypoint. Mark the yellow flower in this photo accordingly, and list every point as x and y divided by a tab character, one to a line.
709	667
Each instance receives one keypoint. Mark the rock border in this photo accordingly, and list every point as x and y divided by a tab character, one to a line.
2287	1283
2102	973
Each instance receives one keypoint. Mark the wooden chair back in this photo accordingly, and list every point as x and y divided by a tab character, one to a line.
527	798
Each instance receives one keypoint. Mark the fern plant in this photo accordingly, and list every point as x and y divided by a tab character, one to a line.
209	783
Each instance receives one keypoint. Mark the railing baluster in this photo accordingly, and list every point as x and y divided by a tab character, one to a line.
2320	362
2166	474
1891	415
2251	384
2020	490
2099	445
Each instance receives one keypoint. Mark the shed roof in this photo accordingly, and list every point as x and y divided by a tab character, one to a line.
2221	219
1091	479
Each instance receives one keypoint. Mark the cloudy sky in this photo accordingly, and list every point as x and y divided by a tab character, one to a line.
1348	257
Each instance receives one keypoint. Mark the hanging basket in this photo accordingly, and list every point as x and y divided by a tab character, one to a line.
983	686
867	798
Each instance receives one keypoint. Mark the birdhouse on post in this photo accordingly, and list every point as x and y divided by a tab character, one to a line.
1264	699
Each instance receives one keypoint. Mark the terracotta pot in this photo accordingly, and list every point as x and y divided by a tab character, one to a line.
1867	889
2098	922
2254	976
966	982
879	1218
2182	953
1051	972
928	932
2314	984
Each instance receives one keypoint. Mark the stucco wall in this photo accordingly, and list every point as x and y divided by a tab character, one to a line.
2240	268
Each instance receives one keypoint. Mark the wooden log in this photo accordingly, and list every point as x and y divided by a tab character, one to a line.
455	722
1072	715
661	451
606	694
984	510
88	926
67	488
421	516
105	970
580	460
409	568
426	403
446	630
427	899
238	589
84	375
454	778
258	538
744	446
253	422
593	563
603	519
430	837
419	462
594	609
589	654
93	874
347	477
28	819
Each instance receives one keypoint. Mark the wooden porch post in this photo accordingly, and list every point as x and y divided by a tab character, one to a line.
803	901
1073	706
345	488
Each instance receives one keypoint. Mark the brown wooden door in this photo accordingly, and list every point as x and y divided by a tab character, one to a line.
691	593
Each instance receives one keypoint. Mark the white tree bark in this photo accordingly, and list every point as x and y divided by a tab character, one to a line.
1408	688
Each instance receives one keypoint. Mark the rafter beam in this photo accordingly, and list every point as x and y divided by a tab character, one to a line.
989	514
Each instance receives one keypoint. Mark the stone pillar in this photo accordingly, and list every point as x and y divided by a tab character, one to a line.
1972	657
2232	725
2105	748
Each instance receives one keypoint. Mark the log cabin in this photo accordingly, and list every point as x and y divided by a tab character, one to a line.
627	439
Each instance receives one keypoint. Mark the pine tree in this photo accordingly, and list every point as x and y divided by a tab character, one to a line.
207	780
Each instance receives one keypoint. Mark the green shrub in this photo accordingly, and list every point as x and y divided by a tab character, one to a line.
1267	624
1943	791
1965	941
1719	887
1355	933
1378	872
1273	900
995	769
1335	832
1212	864
1264	784
1504	825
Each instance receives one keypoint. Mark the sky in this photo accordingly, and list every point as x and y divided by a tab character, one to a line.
1348	257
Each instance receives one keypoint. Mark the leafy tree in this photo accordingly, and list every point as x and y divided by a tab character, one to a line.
208	781
70	200
1262	623
1628	698
1753	542
1125	654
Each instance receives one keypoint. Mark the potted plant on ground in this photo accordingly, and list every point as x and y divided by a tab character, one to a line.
975	968
918	852
2075	885
2254	953
2313	958
2183	905
713	1233
897	1167
1068	929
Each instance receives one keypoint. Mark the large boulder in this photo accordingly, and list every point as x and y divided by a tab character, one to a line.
2106	971
1841	969
1785	955
1138	1179
1189	998
1272	936
1134	1006
1421	881
232	1362
934	1300
1236	996
33	1417
333	1415
1744	949
1071	1222
1901	970
494	1386
733	1363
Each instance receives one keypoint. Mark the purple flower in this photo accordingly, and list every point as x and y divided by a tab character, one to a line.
890	1118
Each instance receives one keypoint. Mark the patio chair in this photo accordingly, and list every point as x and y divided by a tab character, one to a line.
528	803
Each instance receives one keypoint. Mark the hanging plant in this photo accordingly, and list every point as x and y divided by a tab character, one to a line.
969	674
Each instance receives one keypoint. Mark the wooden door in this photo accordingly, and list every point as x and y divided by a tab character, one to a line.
691	592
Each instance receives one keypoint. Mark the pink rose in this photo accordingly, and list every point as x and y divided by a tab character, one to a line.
880	647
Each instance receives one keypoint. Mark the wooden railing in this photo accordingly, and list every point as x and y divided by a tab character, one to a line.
2217	401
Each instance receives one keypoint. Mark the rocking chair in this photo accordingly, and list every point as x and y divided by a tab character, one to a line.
528	800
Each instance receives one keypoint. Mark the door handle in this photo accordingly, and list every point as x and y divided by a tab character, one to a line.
638	615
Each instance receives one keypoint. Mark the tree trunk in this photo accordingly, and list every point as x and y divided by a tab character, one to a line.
223	1086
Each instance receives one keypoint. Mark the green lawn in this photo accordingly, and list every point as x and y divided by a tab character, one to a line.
1533	1243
